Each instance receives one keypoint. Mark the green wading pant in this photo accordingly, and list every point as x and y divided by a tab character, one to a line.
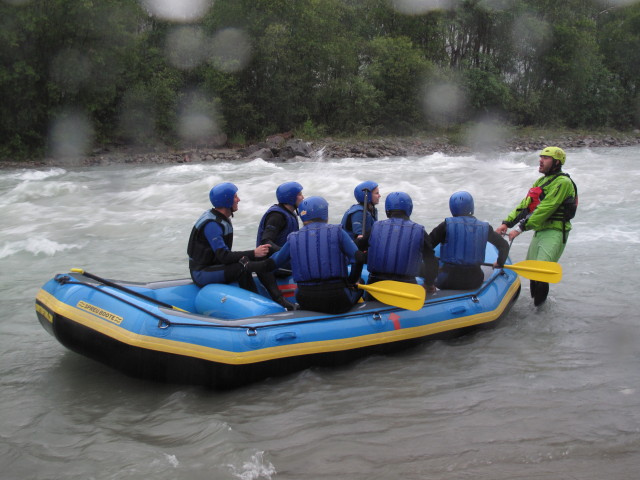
546	245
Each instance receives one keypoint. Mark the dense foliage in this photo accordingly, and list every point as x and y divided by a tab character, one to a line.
108	71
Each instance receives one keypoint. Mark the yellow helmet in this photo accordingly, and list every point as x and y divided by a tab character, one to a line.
554	152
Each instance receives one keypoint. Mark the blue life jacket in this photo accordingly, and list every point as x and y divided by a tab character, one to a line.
316	255
201	255
292	225
347	222
395	247
466	241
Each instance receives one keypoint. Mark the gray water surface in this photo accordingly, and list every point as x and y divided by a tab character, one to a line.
549	393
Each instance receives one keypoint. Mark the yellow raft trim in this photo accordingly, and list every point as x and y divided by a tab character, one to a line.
271	353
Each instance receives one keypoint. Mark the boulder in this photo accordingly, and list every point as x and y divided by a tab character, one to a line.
264	153
296	147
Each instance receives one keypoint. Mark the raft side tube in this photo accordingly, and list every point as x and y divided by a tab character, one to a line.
229	302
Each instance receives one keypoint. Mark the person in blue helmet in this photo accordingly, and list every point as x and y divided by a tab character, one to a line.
400	249
281	218
211	259
357	221
463	241
275	226
320	254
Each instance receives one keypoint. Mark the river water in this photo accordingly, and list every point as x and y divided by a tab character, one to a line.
549	393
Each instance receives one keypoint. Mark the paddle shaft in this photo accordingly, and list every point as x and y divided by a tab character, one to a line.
364	211
124	289
538	270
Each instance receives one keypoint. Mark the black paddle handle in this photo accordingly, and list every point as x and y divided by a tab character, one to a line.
120	287
364	211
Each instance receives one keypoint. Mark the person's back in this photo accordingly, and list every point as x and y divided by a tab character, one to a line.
463	241
320	254
398	247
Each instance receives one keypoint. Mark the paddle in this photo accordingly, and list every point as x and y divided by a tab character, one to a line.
364	211
538	270
409	296
124	289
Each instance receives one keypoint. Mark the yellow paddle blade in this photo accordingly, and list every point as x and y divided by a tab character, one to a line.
538	270
409	296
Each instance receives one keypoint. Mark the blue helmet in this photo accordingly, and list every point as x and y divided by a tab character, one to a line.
358	192
222	195
287	192
314	208
461	203
399	201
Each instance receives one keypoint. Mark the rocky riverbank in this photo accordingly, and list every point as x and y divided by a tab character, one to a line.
280	148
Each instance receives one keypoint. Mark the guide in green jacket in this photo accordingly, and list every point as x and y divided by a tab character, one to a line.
547	210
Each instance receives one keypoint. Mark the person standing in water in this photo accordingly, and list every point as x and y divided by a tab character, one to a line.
546	210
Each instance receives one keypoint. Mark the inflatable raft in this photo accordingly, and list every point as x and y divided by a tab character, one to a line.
222	336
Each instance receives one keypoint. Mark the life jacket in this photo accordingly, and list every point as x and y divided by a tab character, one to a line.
395	247
347	223
201	255
315	254
466	241
292	225
567	209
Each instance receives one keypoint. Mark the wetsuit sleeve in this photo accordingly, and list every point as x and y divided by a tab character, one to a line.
282	256
273	225
438	235
356	223
430	262
501	244
554	195
224	256
517	213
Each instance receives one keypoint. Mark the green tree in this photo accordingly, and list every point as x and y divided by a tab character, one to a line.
619	41
398	71
576	79
60	54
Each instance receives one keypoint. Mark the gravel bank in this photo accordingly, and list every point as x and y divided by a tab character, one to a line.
332	148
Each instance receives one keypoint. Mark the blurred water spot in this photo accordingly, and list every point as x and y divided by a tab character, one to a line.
231	50
443	102
178	10
530	34
485	135
417	7
186	47
197	118
70	134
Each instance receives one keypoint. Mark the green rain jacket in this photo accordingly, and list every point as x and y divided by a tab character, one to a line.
543	218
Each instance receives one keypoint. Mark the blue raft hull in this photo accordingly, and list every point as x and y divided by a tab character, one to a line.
186	344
